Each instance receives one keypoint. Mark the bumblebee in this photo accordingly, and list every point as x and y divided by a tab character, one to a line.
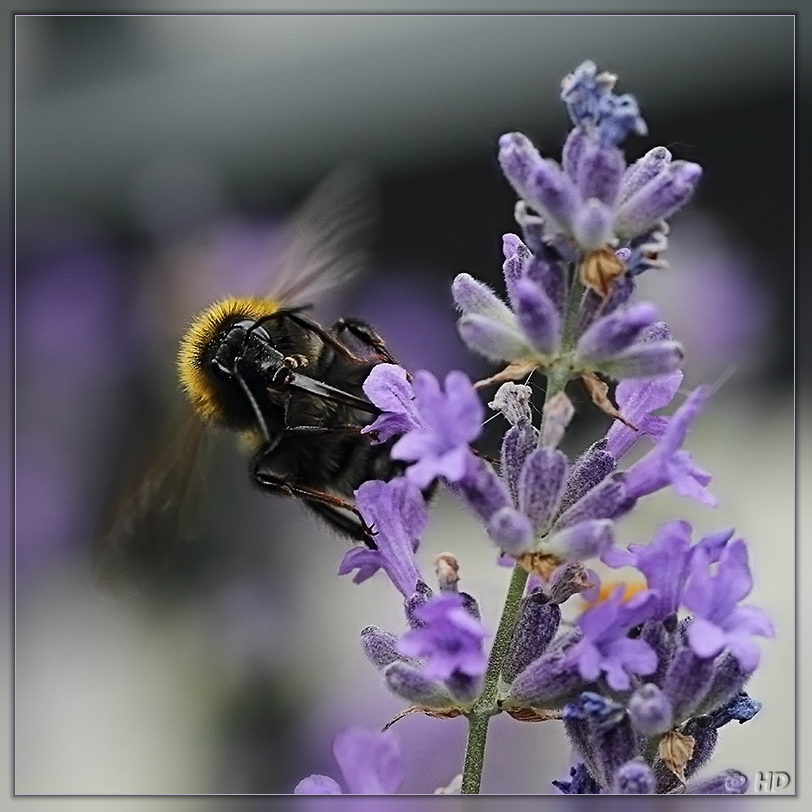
290	388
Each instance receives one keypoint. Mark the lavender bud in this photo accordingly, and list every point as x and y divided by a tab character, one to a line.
592	467
412	685
464	687
645	360
491	339
650	710
511	531
582	541
728	680
658	199
537	316
517	255
473	296
553	194
482	489
612	741
634	778
517	444
469	603
600	170
546	270
642	171
574	147
604	501
616	332
540	486
421	596
379	647
518	159
536	626
687	681
660	636
549	681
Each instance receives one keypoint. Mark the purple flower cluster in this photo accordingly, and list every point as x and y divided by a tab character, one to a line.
539	502
632	677
642	683
590	226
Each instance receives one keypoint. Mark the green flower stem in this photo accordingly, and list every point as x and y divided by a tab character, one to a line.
485	707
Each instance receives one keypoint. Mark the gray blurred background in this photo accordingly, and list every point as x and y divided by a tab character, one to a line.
156	158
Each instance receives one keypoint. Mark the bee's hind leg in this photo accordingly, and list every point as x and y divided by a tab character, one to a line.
325	504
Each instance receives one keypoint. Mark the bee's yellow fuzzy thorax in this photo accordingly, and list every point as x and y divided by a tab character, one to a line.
194	378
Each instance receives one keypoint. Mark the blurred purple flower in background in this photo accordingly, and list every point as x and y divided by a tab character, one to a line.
370	764
711	297
75	344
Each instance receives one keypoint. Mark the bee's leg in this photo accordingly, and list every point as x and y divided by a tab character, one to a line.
314	327
335	431
323	503
344	523
362	331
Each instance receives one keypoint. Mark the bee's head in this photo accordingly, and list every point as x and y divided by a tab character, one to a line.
207	350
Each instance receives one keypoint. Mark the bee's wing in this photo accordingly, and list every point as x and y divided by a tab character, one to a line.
327	240
147	524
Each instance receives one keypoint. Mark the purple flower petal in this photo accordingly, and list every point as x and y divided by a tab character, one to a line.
369	760
388	389
665	464
450	420
636	399
450	640
718	621
398	514
605	646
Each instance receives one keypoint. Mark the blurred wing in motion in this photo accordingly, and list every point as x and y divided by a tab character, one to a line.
147	524
327	241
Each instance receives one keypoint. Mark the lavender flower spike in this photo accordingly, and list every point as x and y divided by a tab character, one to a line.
370	763
398	513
